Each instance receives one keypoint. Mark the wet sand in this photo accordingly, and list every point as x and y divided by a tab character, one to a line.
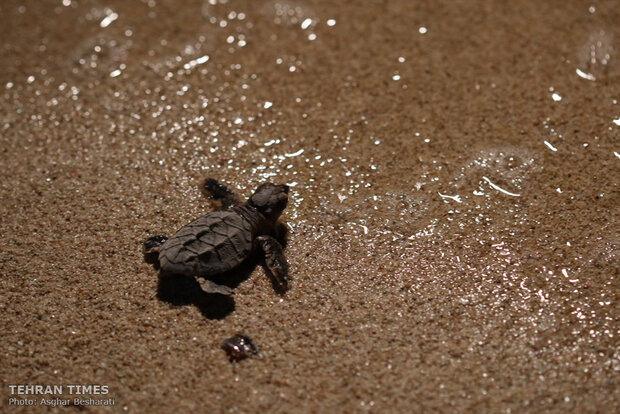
454	176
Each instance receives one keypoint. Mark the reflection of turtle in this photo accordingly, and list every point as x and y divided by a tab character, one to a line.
218	242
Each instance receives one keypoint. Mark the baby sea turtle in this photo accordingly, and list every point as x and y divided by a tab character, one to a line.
218	242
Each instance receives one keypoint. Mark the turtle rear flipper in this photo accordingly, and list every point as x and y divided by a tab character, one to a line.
209	286
151	248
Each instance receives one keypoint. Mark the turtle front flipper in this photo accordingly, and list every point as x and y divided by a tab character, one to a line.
218	192
275	263
151	248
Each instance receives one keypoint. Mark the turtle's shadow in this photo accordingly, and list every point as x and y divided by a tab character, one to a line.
182	290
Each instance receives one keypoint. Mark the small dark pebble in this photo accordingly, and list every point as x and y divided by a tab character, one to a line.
238	348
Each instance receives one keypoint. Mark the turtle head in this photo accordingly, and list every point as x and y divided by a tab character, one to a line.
270	200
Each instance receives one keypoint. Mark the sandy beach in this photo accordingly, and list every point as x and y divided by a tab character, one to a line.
454	171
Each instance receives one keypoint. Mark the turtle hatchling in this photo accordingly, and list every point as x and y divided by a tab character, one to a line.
217	243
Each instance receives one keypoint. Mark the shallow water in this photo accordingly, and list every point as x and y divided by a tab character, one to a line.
454	198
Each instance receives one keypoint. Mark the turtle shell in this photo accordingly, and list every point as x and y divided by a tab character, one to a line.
210	245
